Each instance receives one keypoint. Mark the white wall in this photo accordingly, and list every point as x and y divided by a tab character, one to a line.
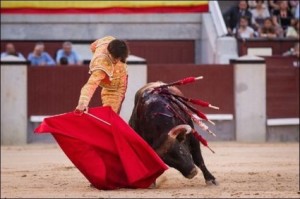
13	104
216	48
94	26
208	40
250	99
137	78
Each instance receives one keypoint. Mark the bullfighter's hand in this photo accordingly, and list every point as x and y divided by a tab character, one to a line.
81	108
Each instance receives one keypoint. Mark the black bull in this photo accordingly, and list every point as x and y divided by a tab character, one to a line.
160	122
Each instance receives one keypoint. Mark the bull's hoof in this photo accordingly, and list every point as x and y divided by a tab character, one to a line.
152	186
212	182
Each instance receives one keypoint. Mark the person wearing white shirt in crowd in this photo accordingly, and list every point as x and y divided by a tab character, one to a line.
10	50
259	14
293	30
244	30
253	3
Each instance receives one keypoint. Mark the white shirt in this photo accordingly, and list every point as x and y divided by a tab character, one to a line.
246	33
260	15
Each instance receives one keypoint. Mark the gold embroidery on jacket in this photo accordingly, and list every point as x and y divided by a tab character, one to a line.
111	77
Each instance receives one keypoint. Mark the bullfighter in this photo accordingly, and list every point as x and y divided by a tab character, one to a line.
108	69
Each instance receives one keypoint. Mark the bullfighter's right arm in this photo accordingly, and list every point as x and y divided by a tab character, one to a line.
89	88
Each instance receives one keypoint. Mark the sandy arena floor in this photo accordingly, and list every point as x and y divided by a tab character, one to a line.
242	170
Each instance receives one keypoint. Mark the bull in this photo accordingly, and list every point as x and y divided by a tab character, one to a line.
167	129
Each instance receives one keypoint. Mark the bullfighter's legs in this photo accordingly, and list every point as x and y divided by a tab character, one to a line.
198	160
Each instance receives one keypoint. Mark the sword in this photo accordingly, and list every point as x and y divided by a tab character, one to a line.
97	118
76	112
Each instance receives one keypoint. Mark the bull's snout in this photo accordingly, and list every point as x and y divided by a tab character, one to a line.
192	173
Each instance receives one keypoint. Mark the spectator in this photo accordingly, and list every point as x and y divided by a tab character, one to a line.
252	4
293	51
273	5
63	61
70	54
268	29
293	31
293	6
259	14
297	12
244	30
282	17
10	50
39	57
232	16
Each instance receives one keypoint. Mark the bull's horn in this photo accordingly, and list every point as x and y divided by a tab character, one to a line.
174	132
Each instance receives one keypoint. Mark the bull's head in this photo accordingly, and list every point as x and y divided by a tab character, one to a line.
174	153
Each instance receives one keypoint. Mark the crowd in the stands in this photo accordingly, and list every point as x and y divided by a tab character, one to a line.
263	19
247	19
39	57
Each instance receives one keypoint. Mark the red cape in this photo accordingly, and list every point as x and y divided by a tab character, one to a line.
109	156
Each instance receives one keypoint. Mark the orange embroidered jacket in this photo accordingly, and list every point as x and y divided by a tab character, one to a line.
111	77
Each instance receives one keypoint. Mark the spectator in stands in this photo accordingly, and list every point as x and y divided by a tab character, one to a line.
282	17
293	6
297	11
293	30
253	3
10	50
63	61
244	30
273	5
259	14
268	29
39	57
293	51
233	15
69	53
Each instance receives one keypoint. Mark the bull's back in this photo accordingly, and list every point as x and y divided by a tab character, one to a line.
152	117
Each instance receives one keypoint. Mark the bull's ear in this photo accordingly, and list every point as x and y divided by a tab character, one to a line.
180	129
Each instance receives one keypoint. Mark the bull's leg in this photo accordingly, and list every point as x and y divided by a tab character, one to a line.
198	160
153	185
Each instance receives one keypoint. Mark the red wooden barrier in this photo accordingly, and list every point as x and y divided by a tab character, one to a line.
216	87
282	87
278	46
53	90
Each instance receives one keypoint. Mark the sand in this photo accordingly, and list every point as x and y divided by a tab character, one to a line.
243	170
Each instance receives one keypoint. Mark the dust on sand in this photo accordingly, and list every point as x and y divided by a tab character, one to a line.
248	170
